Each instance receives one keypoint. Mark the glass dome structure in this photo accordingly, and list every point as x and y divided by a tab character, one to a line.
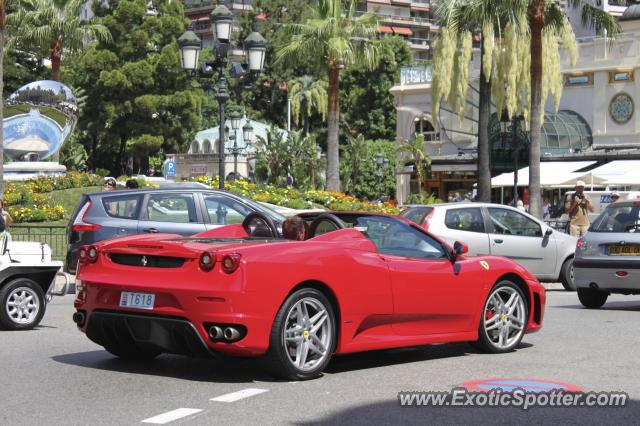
38	117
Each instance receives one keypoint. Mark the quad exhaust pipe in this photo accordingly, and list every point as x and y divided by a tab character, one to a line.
231	333
216	333
226	333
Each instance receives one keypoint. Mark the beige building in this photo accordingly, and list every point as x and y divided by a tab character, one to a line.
596	119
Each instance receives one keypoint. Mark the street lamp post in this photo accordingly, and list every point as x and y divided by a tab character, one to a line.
190	46
235	125
247	136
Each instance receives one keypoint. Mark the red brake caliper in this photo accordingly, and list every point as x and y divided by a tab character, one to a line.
488	315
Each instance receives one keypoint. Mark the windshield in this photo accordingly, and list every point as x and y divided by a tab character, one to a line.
618	218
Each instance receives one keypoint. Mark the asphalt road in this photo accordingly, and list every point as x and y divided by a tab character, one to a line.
54	375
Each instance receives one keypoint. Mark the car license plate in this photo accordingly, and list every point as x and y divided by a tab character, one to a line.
624	251
137	300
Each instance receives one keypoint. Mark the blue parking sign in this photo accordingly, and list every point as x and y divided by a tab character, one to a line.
170	168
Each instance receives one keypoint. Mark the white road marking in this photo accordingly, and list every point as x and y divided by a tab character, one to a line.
170	416
236	396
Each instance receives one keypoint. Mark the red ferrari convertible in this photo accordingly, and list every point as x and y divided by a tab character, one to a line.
337	283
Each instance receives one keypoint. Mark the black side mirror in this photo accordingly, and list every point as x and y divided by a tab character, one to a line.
459	248
548	232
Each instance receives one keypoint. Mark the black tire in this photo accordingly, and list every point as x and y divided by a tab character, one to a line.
566	275
277	360
132	352
592	299
22	304
485	341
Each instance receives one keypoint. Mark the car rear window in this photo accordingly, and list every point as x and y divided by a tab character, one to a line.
417	214
622	218
124	206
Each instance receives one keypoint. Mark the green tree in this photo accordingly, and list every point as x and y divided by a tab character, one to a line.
55	27
413	150
332	39
73	154
308	96
266	98
367	104
136	84
365	182
273	157
21	68
142	147
355	152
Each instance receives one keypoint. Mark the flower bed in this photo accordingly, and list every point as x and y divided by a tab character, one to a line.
28	201
295	199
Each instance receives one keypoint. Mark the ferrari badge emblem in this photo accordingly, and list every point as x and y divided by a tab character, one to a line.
144	260
484	264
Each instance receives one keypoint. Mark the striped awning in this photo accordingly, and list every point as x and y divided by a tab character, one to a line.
395	30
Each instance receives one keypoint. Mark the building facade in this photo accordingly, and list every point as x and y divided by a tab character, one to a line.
202	157
410	19
597	117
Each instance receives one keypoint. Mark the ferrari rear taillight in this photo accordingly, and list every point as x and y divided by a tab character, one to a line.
427	220
581	244
230	262
80	223
207	261
87	254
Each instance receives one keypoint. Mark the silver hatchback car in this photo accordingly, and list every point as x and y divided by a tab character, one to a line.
608	256
501	230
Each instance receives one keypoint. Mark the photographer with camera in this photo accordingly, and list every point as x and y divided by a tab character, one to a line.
577	206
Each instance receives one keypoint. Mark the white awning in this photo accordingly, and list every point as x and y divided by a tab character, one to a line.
554	174
620	172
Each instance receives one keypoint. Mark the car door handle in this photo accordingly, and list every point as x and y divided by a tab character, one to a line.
498	241
151	230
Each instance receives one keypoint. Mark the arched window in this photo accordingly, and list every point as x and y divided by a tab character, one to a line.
423	126
206	147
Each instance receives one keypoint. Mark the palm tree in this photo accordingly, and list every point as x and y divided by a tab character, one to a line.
543	15
54	26
307	94
415	151
330	40
471	16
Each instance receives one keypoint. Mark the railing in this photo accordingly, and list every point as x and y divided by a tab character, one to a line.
388	17
415	75
54	236
420	41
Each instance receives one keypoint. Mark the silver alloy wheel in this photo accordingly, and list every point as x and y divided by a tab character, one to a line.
308	334
22	305
504	317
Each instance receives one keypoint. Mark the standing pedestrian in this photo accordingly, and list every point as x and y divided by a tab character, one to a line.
577	206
